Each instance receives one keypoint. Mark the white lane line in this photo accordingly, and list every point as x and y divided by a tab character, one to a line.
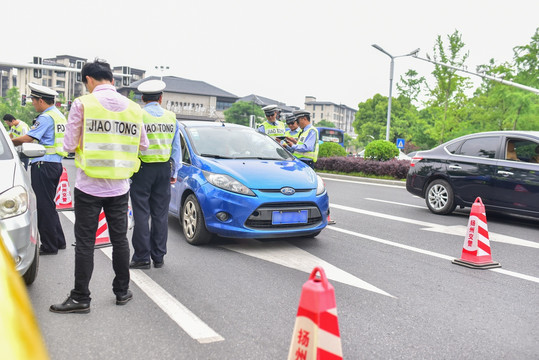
189	322
427	252
181	315
285	254
459	230
395	203
364	183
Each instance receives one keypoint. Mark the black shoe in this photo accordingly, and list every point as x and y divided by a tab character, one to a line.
158	264
61	247
139	265
71	306
123	299
42	252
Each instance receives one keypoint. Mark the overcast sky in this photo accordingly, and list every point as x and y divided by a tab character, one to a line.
280	49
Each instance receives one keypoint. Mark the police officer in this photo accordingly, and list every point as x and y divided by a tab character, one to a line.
17	128
105	130
150	188
48	130
272	126
305	147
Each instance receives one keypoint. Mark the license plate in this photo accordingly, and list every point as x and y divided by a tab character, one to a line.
290	217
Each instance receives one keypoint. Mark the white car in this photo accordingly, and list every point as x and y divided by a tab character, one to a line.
18	209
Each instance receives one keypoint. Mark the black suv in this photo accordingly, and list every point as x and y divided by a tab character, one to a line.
501	167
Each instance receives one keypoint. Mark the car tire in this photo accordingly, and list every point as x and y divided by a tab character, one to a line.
193	224
31	274
439	197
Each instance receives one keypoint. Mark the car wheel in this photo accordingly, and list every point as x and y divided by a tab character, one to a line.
193	224
439	197
31	274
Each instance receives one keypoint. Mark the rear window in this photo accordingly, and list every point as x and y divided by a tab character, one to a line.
484	147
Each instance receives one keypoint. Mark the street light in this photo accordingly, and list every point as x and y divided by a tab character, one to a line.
162	68
391	82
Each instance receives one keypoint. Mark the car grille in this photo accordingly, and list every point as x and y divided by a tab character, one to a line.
261	217
279	190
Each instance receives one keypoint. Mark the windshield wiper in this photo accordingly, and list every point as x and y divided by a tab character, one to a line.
215	156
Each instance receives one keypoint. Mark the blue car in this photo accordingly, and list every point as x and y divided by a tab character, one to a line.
236	182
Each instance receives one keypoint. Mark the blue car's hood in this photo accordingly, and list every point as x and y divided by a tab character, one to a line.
264	174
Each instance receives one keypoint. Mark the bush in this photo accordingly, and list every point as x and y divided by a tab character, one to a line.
396	169
329	149
381	150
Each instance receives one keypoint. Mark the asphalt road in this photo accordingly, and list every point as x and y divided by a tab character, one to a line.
389	259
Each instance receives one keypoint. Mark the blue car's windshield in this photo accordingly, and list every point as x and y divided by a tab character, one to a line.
224	142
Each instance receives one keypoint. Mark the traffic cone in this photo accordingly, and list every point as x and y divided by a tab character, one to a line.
102	235
316	331
63	198
476	249
330	222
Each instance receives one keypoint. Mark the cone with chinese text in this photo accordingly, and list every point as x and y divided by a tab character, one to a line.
63	198
476	249
316	331
102	235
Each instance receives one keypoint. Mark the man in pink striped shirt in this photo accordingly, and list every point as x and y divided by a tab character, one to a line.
98	125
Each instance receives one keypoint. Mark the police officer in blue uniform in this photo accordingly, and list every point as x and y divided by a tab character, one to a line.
150	188
48	130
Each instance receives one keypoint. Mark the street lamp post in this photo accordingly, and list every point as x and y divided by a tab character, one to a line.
162	68
391	82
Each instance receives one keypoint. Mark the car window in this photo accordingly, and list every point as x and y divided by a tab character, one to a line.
5	154
235	143
453	147
521	150
480	147
186	159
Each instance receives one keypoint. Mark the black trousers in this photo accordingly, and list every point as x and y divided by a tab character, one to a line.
87	209
150	196
45	178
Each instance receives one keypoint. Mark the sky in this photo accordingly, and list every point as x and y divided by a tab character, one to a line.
280	49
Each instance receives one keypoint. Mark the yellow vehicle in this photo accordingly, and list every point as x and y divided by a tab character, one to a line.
20	337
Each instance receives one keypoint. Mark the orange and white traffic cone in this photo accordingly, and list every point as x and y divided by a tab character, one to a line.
102	238
63	198
316	331
330	222
476	249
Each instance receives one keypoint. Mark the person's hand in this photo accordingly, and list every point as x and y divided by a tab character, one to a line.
173	180
292	140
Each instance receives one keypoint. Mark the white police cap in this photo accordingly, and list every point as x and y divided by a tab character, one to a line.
270	109
40	91
301	113
152	87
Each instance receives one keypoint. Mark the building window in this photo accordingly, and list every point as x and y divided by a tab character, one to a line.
221	105
322	107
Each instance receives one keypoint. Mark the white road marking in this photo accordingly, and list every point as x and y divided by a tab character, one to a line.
285	254
364	183
459	230
189	322
395	203
427	252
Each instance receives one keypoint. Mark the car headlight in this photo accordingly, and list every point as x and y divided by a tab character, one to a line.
227	183
13	202
320	186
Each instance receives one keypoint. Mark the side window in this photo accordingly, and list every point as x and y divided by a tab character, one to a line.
522	150
185	151
484	147
453	147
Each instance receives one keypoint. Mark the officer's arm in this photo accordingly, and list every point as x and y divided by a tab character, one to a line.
22	139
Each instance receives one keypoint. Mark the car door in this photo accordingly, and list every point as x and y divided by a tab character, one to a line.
178	188
516	182
471	168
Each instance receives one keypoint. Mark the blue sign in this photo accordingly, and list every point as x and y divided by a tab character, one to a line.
400	143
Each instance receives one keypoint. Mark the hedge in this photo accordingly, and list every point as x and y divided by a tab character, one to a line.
394	168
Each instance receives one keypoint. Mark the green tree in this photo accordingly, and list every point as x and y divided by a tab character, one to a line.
240	112
410	87
381	150
325	123
11	104
329	149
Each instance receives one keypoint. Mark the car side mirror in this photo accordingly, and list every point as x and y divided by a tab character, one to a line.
31	150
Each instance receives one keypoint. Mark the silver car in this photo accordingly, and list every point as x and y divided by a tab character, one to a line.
18	211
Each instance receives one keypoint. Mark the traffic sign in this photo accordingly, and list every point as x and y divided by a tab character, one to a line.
400	143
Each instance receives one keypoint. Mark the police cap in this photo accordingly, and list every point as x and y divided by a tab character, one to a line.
152	87
40	91
290	118
301	113
270	109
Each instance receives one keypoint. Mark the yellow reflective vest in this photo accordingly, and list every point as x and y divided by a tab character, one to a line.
160	132
312	155
111	140
20	129
274	130
59	131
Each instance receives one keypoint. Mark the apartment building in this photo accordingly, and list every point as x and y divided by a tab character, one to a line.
341	115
